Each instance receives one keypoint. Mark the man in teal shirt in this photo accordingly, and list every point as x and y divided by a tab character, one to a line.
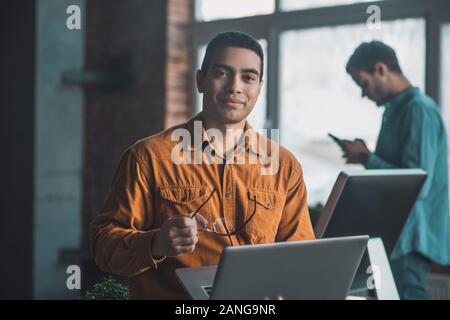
412	135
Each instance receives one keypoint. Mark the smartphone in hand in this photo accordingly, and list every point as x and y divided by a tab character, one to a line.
335	139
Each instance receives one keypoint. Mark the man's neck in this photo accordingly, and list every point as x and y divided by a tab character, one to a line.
231	132
209	123
400	85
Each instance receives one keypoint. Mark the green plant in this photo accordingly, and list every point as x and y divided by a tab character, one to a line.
107	289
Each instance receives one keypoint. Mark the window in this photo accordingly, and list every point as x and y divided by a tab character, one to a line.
310	92
287	5
317	96
445	77
258	115
207	10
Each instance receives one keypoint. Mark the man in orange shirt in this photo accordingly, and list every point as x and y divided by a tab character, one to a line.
178	204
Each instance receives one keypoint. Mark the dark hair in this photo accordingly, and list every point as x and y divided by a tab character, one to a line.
369	53
232	39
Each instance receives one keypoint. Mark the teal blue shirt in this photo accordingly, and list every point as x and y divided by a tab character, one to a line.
412	135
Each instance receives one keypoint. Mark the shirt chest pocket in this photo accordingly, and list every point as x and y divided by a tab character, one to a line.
183	201
262	228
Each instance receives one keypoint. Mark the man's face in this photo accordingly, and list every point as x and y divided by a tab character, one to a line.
372	85
231	85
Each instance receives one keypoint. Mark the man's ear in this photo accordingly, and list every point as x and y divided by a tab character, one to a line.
381	69
199	79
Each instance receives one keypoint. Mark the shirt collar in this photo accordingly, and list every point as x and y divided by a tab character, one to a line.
251	138
400	99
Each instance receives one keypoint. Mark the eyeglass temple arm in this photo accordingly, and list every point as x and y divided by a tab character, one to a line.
201	206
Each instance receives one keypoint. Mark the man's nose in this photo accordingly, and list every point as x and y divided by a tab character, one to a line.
235	85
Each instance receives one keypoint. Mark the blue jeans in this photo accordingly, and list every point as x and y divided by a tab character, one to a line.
410	274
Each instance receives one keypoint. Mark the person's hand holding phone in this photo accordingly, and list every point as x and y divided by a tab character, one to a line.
335	139
355	151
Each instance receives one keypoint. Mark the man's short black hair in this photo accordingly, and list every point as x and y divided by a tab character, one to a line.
369	53
232	39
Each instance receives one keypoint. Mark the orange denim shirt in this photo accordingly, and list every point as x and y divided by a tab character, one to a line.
149	188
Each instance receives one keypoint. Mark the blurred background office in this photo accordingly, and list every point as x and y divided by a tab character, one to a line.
73	99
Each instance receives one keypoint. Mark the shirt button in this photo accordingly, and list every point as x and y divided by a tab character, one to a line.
269	205
228	195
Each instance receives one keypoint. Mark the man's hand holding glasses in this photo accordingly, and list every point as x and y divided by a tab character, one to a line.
180	234
176	236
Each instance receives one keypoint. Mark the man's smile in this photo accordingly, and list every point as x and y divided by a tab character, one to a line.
232	102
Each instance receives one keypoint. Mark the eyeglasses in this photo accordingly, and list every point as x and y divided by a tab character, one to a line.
221	226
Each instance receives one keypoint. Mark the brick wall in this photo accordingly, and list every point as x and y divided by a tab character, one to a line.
178	65
150	39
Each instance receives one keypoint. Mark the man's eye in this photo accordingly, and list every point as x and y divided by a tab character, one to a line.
220	73
249	78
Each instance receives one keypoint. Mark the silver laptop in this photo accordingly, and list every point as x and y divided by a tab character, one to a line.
311	269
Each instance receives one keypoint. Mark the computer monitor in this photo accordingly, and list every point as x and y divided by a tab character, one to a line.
372	202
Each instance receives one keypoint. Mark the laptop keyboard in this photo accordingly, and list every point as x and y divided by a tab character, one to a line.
207	289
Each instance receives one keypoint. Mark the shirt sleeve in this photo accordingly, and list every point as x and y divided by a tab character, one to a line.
295	223
120	239
375	162
421	145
